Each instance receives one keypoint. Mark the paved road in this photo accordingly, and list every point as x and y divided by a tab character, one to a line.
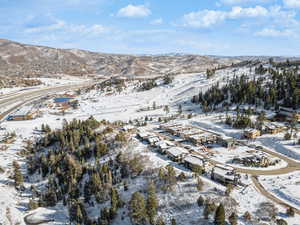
36	92
291	167
31	95
291	164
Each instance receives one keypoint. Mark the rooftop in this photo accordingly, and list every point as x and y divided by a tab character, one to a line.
193	160
62	100
25	110
176	151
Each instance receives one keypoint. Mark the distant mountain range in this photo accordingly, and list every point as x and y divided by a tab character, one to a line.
18	59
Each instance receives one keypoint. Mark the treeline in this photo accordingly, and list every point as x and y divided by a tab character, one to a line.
277	87
152	83
285	64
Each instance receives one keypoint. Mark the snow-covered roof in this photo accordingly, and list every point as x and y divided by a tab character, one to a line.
25	110
143	134
169	143
192	131
176	151
273	125
128	127
193	160
224	173
204	134
162	144
226	138
153	139
251	130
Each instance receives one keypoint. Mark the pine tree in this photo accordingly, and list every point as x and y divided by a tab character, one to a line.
32	204
209	208
200	201
115	202
173	221
152	202
233	219
180	109
247	216
154	105
281	222
290	212
166	109
181	176
160	221
229	189
138	211
79	215
200	184
18	177
220	215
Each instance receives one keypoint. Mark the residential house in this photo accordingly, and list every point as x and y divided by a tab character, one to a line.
225	175
194	162
225	141
289	113
273	128
251	133
176	153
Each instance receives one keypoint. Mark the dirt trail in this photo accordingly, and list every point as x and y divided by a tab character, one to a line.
270	196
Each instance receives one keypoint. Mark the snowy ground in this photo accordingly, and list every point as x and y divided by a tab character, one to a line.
46	82
285	187
125	107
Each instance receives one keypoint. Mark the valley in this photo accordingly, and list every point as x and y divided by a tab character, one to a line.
144	149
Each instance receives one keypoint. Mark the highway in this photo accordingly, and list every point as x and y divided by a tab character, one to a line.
26	97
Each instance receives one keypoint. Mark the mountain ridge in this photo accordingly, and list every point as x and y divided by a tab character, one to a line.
17	59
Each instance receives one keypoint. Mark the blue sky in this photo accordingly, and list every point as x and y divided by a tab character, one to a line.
223	27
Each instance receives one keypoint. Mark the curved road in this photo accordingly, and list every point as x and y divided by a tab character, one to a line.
291	164
291	167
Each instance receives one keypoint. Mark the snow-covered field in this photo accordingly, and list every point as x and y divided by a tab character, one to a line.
46	82
125	106
285	187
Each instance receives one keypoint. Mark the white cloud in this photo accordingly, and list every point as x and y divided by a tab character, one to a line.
62	26
59	24
239	12
270	32
157	21
208	18
239	2
204	18
134	11
292	3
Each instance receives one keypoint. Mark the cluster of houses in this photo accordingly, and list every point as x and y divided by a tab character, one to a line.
198	136
194	162
266	128
256	161
29	112
64	102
